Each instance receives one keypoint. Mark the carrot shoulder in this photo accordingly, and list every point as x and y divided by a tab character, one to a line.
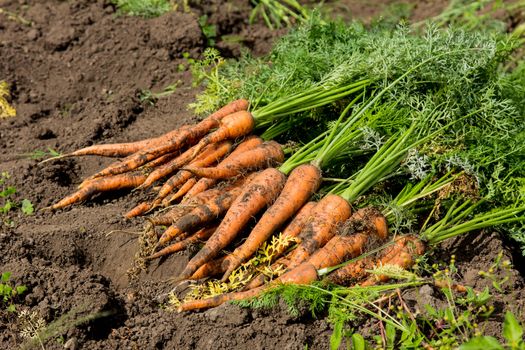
258	193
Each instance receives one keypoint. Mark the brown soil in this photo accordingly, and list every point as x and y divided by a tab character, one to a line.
76	75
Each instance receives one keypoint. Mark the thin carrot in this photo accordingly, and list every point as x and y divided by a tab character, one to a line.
258	193
302	182
188	185
331	211
120	149
268	154
201	235
138	210
203	184
187	136
211	268
161	160
119	182
232	126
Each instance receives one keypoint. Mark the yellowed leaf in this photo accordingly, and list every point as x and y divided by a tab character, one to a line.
6	110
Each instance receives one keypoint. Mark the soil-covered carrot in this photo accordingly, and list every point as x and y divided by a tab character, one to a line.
139	209
301	184
201	215
269	153
258	193
185	137
118	182
209	269
403	253
327	215
201	235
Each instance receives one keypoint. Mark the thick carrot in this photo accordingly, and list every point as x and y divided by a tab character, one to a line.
301	184
211	268
268	154
258	193
232	126
351	272
293	229
402	253
330	212
119	182
201	215
187	136
201	235
203	184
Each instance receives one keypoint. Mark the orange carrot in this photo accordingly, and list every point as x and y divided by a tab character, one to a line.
402	253
200	215
187	136
301	184
161	160
331	211
268	154
351	272
258	193
119	182
215	152
232	126
203	184
138	210
188	185
120	149
293	229
209	269
201	235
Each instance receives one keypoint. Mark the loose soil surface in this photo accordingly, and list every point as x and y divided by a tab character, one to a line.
76	76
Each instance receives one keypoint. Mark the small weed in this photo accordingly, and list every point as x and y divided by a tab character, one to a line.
8	202
39	154
151	97
9	293
208	30
143	8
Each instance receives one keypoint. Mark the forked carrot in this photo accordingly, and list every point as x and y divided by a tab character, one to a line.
302	182
268	154
118	182
258	193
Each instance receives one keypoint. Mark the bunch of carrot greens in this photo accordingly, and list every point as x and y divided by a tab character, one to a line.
389	108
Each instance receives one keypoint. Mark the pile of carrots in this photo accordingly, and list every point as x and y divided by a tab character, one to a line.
222	177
